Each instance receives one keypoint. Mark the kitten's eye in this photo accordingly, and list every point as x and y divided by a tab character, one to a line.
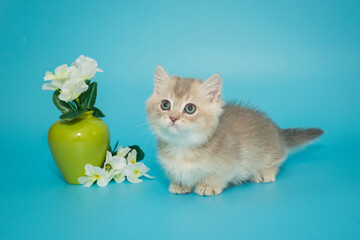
190	108
165	105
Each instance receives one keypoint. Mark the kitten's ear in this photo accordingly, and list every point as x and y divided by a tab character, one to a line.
161	77
212	87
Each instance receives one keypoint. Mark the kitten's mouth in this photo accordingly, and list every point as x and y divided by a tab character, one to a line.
173	127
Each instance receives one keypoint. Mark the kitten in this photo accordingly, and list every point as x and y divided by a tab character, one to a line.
206	145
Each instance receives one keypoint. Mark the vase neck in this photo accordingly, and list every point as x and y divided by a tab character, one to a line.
86	114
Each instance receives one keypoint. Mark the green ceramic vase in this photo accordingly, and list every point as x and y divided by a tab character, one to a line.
75	143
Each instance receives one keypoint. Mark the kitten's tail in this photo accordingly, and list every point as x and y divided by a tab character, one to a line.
295	137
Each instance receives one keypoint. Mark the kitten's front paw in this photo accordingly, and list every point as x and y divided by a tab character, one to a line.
179	189
207	190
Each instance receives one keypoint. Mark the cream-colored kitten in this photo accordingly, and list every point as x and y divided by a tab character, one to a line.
205	145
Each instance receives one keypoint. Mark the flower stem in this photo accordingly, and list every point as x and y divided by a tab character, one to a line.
72	106
77	103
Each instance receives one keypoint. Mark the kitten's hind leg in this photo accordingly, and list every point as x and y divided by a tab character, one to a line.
266	175
179	189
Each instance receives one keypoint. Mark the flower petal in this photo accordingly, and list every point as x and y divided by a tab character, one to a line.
86	66
118	162
48	76
148	176
119	178
49	86
109	175
65	95
108	157
99	171
102	182
141	166
83	180
123	151
131	158
134	179
89	170
129	170
89	184
81	86
60	70
87	181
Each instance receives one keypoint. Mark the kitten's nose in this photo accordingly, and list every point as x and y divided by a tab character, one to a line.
173	119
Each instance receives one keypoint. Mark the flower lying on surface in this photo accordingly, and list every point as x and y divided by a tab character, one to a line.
94	174
113	164
123	151
134	171
131	159
117	168
119	176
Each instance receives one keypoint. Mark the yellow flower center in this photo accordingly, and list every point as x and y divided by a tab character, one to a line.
132	161
97	176
136	171
108	167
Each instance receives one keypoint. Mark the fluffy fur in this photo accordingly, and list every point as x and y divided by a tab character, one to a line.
218	145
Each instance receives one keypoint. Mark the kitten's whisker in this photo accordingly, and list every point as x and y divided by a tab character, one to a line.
143	132
140	125
134	122
150	135
152	145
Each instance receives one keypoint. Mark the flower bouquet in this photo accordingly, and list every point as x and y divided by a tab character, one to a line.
74	93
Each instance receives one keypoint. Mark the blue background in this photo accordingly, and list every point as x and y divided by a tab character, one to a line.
299	61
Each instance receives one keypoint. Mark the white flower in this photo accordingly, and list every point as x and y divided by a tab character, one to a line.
131	158
123	151
72	90
119	175
62	74
134	171
92	174
71	80
114	166
86	68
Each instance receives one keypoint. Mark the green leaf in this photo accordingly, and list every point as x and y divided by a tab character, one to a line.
89	98
140	154
116	144
98	113
113	150
64	107
72	115
82	99
87	81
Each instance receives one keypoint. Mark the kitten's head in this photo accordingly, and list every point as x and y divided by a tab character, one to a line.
184	111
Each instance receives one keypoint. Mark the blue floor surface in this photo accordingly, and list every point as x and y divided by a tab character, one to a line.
299	61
